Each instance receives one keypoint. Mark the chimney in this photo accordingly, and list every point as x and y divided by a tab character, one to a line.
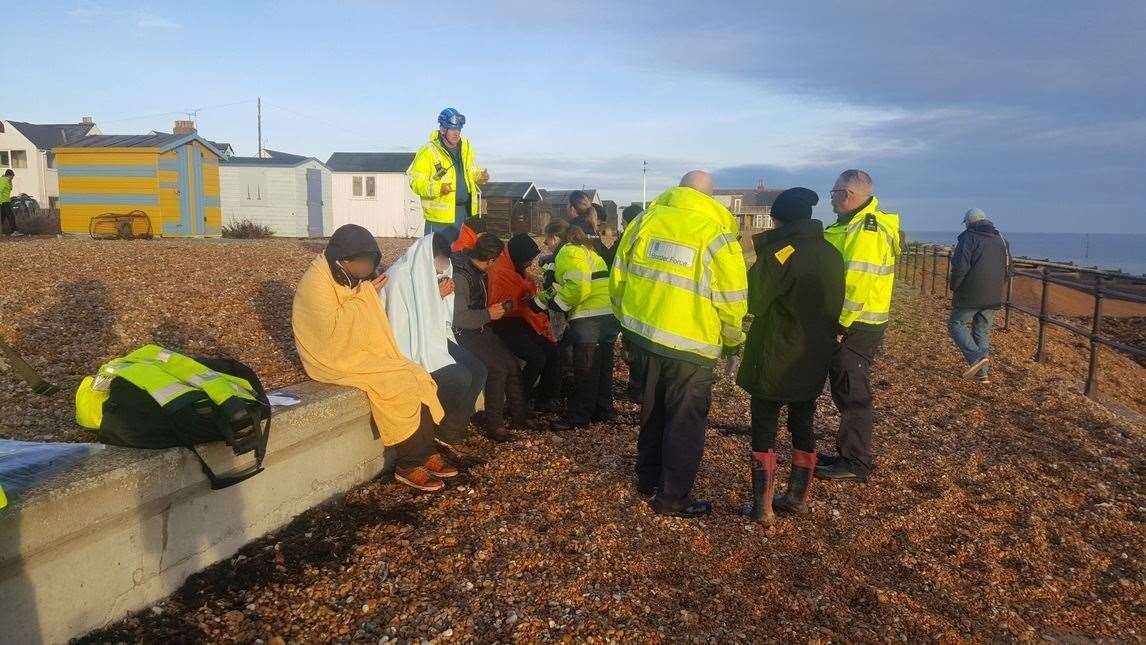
87	120
184	127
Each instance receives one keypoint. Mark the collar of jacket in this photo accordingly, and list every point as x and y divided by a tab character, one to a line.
984	227
797	228
871	206
436	139
693	200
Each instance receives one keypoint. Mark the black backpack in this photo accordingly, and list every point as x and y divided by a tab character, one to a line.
132	418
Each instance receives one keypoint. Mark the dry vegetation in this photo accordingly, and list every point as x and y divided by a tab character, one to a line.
1011	512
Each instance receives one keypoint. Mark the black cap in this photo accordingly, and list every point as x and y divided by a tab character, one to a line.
522	249
794	204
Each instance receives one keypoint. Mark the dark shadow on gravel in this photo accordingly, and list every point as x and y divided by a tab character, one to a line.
273	304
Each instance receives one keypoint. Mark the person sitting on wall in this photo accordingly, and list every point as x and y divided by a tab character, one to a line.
419	300
525	329
344	337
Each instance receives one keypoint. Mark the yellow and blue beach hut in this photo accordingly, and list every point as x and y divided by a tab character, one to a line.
172	178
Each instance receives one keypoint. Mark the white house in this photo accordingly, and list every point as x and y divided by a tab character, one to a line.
371	189
289	193
26	148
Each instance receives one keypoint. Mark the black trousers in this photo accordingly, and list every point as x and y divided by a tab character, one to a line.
458	388
7	218
849	373
674	413
542	358
766	422
636	366
503	377
593	348
418	447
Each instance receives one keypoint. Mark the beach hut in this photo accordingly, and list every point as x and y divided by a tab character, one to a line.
288	193
171	179
512	207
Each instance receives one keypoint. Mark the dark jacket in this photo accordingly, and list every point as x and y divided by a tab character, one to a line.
979	268
470	308
608	254
795	294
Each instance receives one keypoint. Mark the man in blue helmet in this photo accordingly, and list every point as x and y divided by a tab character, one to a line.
446	177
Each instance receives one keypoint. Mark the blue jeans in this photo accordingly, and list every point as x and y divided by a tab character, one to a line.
971	331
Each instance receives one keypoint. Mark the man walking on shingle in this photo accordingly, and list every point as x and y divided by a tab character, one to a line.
978	277
446	177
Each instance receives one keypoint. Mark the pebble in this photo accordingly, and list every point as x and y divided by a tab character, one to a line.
157	610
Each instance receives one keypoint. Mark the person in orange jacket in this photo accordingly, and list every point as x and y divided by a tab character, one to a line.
525	329
468	235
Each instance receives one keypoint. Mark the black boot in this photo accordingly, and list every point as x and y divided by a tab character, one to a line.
799	484
763	483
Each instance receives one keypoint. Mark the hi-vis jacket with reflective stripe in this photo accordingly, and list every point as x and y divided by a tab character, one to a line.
870	243
165	375
581	280
679	279
432	167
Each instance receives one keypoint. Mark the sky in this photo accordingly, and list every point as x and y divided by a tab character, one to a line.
1033	111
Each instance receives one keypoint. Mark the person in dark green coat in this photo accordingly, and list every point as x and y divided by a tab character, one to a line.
795	294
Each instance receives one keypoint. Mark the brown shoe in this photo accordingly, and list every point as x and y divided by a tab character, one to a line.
439	467
419	478
500	435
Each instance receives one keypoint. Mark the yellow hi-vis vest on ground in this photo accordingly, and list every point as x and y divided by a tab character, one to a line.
581	279
432	167
870	243
3	499
165	375
679	278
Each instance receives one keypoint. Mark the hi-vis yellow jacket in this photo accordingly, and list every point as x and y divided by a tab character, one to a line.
870	243
679	279
582	282
432	167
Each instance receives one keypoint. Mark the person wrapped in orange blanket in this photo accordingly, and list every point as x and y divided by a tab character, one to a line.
525	329
343	337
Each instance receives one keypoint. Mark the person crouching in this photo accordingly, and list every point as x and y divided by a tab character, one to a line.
795	292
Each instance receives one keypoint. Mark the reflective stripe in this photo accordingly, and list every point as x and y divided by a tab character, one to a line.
715	246
730	331
852	305
669	339
164	355
728	297
165	395
871	316
574	275
665	277
589	313
432	203
561	303
869	267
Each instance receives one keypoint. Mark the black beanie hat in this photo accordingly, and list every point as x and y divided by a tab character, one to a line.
522	249
794	204
488	247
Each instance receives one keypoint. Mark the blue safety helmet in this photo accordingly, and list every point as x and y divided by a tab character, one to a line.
451	119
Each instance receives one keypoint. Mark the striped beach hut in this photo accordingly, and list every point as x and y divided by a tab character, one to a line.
172	178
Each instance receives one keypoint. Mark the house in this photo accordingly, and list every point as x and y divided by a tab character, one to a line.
26	148
173	179
291	194
512	207
751	206
372	189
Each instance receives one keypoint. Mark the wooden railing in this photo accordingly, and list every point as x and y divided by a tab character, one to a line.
919	266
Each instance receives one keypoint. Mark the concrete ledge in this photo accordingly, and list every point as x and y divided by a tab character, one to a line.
126	527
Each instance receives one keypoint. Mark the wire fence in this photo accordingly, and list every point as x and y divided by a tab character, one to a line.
920	266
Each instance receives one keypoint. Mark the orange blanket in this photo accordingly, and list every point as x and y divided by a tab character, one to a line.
505	283
343	337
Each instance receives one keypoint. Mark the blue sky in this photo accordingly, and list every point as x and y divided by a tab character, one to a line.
1034	111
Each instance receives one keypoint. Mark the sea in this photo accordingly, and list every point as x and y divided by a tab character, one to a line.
1113	251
